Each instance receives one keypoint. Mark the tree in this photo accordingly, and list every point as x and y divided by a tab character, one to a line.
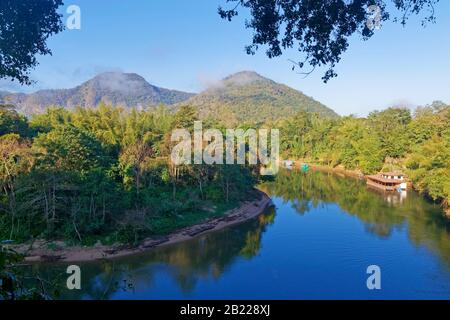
391	126
319	29
429	168
52	118
136	158
293	135
185	117
71	149
15	158
345	139
25	26
12	122
370	158
14	285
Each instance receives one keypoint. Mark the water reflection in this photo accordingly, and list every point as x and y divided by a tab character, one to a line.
200	265
381	212
206	257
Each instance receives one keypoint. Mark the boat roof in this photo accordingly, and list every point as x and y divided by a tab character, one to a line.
393	173
379	178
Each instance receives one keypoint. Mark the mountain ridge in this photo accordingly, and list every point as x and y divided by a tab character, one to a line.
125	89
241	97
247	96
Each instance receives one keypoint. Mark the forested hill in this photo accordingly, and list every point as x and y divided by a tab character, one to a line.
115	88
247	97
244	97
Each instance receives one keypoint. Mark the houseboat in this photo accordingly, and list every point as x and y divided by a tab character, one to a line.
388	181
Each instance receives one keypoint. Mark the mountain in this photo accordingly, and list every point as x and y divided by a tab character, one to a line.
244	97
248	97
125	89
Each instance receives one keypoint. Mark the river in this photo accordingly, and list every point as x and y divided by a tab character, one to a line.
316	242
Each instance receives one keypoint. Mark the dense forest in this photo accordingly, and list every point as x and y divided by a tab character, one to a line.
247	97
417	143
103	175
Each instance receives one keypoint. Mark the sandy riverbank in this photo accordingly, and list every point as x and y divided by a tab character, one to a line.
39	251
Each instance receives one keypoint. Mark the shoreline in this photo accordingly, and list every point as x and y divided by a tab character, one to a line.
358	175
39	251
338	170
335	170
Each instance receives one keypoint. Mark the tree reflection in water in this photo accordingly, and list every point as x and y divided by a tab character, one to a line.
381	212
208	258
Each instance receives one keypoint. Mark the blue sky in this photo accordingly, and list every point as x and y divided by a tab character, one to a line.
185	45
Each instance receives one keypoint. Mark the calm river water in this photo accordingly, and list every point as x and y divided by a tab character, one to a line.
315	243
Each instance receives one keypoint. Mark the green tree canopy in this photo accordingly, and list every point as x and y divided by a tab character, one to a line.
25	26
71	149
318	29
12	122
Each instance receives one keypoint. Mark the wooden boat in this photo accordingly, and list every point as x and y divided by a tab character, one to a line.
388	181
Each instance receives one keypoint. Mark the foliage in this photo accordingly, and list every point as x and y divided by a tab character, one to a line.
390	126
244	97
103	174
391	139
381	213
430	168
318	29
12	122
70	148
247	97
14	285
25	27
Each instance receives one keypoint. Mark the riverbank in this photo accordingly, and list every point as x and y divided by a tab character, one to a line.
354	174
45	251
338	170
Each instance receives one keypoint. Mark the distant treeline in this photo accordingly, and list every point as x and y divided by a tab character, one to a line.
103	174
417	143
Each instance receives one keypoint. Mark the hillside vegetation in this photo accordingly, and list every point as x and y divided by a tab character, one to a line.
104	175
393	139
247	97
128	90
244	97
